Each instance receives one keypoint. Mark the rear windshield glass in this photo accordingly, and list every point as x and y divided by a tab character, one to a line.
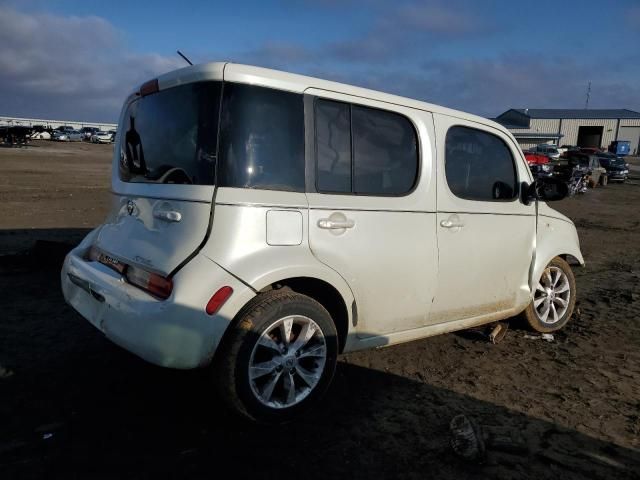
171	136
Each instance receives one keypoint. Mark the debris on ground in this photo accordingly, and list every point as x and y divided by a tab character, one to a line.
498	332
466	439
472	441
543	336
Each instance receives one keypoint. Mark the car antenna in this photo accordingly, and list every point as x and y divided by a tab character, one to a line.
183	56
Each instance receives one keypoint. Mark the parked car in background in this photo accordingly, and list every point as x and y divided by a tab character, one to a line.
56	134
549	150
15	135
590	150
617	169
332	229
568	148
102	137
70	136
64	128
539	164
41	132
88	132
589	164
113	135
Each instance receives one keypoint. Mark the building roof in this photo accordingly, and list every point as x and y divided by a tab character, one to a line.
581	113
536	135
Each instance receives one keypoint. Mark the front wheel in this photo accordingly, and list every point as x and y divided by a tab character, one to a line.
554	298
279	358
604	180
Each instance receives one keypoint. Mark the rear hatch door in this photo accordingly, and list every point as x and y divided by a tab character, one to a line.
163	176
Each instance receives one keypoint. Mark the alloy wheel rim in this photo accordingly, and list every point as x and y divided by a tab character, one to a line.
287	361
552	296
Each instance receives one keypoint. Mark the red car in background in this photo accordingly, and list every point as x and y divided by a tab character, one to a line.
535	158
538	164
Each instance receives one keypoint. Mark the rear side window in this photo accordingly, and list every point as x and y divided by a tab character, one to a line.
479	166
261	139
171	136
385	152
364	150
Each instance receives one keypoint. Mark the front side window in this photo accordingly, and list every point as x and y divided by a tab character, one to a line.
261	139
171	136
479	166
363	150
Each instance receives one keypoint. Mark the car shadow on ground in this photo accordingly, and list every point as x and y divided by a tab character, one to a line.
76	406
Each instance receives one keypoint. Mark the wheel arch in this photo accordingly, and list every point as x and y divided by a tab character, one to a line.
326	295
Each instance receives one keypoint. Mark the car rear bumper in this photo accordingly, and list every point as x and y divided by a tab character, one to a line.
176	332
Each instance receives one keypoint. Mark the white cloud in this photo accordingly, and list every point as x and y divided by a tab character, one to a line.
78	68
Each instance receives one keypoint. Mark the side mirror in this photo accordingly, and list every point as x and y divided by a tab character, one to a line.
548	189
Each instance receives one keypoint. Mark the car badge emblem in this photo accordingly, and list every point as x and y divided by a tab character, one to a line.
131	207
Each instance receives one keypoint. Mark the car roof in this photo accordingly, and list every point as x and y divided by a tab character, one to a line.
235	72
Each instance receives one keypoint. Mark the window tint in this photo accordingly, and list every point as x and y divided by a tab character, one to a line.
479	166
333	146
364	150
261	139
385	152
171	136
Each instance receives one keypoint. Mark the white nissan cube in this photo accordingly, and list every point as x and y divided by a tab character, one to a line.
262	223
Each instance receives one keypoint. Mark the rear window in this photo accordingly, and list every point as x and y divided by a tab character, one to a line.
171	136
261	139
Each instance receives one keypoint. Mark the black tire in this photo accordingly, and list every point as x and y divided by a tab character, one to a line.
531	315
604	180
233	359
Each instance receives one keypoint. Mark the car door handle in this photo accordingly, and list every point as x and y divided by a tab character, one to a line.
333	224
450	224
168	215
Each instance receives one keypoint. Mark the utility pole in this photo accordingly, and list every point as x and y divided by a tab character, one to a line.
586	104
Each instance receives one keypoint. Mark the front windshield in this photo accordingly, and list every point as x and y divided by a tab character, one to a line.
171	136
613	161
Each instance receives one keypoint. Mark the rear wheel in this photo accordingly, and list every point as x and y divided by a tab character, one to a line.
554	298
279	358
604	180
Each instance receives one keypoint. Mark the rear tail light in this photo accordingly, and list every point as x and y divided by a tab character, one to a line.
151	282
218	299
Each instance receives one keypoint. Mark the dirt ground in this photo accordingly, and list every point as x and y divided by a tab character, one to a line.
73	405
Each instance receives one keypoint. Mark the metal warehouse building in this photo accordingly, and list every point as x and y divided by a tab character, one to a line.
582	127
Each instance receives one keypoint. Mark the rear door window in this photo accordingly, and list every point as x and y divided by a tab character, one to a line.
479	166
333	146
261	139
171	136
364	150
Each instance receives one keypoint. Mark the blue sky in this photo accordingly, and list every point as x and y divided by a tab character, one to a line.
77	59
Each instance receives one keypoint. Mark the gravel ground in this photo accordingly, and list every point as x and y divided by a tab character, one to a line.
73	405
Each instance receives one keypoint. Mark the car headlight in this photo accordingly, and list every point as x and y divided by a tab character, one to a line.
624	171
546	168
